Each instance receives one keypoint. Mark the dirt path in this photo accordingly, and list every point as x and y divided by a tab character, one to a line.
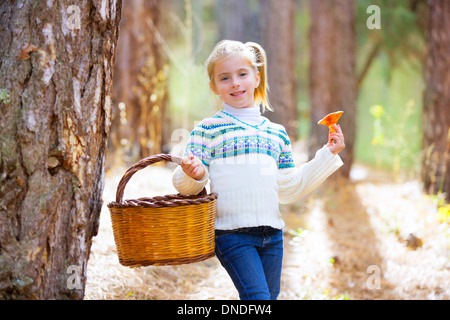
354	241
368	240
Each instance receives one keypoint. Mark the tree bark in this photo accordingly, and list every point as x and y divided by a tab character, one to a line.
333	80
55	106
436	115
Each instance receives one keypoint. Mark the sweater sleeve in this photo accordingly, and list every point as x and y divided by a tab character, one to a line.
198	145
187	185
295	183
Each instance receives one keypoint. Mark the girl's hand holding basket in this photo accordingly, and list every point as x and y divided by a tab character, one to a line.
193	167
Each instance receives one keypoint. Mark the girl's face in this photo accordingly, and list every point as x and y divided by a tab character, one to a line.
235	81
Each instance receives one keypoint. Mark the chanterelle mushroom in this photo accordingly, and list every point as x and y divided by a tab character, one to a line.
331	119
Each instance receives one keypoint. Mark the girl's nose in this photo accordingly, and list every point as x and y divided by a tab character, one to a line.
235	82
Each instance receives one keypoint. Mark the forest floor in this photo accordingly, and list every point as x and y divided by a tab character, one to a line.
367	238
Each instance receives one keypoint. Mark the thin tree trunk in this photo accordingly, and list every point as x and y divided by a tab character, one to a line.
436	111
55	105
333	81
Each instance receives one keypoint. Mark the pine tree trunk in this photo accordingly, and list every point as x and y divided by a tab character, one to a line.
55	106
436	111
332	72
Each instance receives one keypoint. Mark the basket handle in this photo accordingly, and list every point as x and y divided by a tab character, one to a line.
141	164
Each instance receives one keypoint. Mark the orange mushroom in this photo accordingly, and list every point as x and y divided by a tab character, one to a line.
330	120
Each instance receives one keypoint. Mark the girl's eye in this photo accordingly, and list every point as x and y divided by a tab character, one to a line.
243	74
224	79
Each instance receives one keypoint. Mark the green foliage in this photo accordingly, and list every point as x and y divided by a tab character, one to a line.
4	96
398	140
444	213
189	95
389	131
300	232
193	35
377	112
390	96
401	33
443	208
342	297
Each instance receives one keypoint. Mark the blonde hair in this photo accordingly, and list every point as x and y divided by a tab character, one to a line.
257	58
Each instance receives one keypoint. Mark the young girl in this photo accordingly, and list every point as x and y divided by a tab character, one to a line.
248	161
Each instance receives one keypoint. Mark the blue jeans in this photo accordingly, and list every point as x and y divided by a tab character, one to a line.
253	259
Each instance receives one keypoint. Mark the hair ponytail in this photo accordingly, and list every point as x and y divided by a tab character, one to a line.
261	92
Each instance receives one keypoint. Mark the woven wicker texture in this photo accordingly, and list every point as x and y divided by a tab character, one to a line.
163	230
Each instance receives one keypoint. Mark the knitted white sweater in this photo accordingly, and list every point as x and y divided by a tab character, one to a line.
251	169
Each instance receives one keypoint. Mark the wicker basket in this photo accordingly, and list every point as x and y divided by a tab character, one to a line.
166	230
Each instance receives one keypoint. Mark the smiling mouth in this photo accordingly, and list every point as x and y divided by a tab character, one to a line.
237	94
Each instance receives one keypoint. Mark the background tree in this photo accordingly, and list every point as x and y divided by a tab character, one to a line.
277	37
233	20
55	105
140	80
332	72
399	37
436	115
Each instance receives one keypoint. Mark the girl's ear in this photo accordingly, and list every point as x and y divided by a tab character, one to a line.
213	87
258	79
